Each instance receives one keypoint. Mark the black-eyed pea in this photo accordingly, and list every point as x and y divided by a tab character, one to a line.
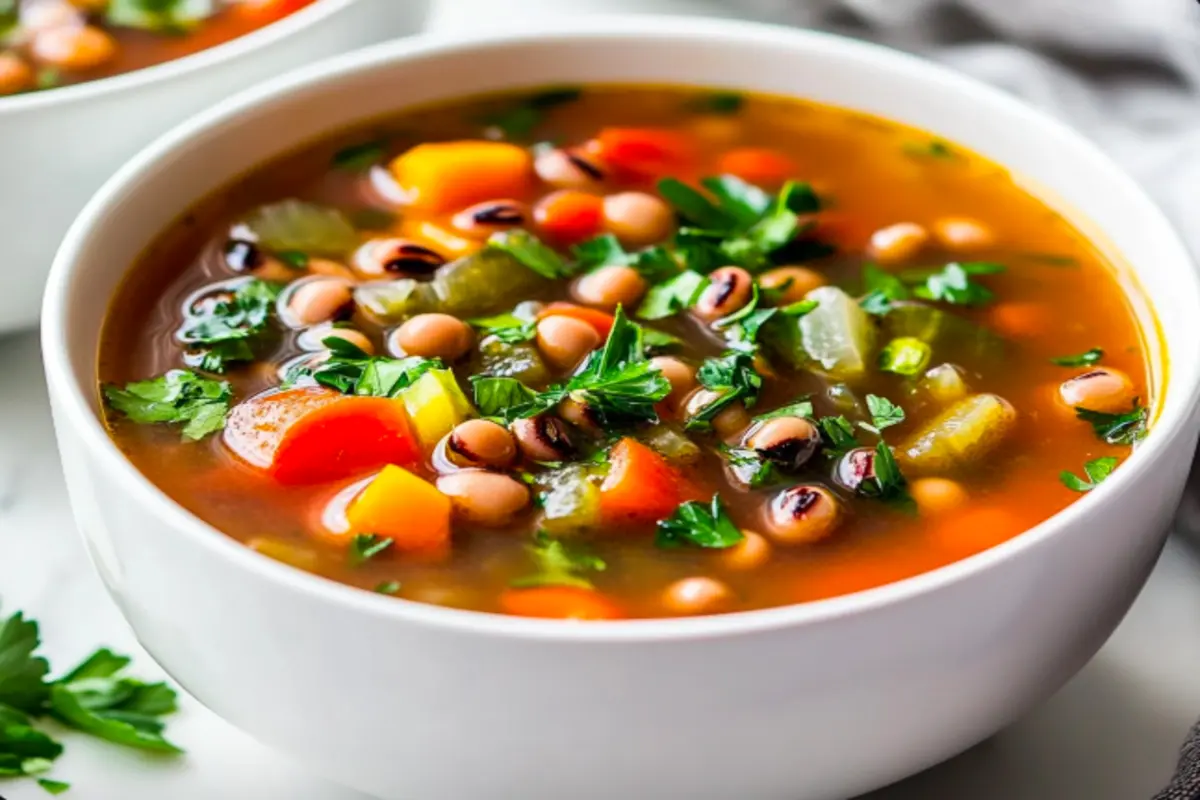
855	468
569	169
315	338
638	218
750	553
897	243
801	515
698	595
937	495
481	443
433	336
729	423
479	497
15	74
74	48
43	15
680	374
579	414
565	341
380	258
790	284
543	438
483	219
1099	389
609	287
728	289
963	234
319	300
787	441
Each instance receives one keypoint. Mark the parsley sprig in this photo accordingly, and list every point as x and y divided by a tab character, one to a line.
557	563
351	370
1087	359
224	332
731	378
179	397
697	524
1096	471
1127	428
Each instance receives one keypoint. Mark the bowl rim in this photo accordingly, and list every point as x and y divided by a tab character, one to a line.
74	409
180	67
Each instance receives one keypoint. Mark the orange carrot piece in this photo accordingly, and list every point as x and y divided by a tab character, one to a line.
446	176
559	602
641	486
314	434
599	320
404	508
568	217
758	165
646	152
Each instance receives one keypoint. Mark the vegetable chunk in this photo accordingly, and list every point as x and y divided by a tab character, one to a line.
402	507
641	486
961	436
446	176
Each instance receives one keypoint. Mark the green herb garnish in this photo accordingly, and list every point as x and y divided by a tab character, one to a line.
1096	470
518	122
294	259
508	328
351	370
388	588
704	526
934	148
672	296
884	414
1087	359
365	546
160	16
751	467
53	787
888	483
801	408
530	252
880	290
720	103
224	332
558	564
180	397
838	435
1126	428
506	398
953	284
731	377
359	157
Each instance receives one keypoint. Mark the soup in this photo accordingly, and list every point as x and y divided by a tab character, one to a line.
49	43
624	352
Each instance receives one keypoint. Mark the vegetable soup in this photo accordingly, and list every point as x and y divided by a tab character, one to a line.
622	352
49	43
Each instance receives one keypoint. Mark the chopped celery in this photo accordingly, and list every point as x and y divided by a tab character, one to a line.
945	384
672	445
837	335
294	225
949	336
521	361
570	499
470	286
905	355
961	436
435	404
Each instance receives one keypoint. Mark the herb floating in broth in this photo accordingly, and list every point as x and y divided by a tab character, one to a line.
614	356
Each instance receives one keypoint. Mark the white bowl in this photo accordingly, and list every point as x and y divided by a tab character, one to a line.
58	146
809	702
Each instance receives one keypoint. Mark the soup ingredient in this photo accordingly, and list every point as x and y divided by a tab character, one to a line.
695	523
752	552
788	442
787	285
404	508
569	216
1087	359
564	341
672	295
312	434
1096	471
351	370
905	356
179	397
838	335
802	514
543	438
1126	428
600	321
559	602
482	443
381	257
559	564
303	227
568	169
609	287
74	48
963	234
961	436
435	405
945	384
483	219
938	495
645	152
729	289
760	166
484	498
898	243
447	176
638	218
319	300
519	121
1103	389
224	331
529	251
570	499
699	595
365	546
15	74
438	336
953	284
681	376
641	487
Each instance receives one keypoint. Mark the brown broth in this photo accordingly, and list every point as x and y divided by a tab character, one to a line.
873	173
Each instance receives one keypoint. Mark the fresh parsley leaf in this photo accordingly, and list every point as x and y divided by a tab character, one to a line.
519	121
743	202
952	284
1127	428
558	564
838	435
888	483
656	341
672	296
160	16
22	674
222	332
1096	470
1087	359
617	382
530	252
743	325
601	251
53	787
507	398
365	546
179	397
731	377
388	587
801	408
884	413
693	206
359	157
721	103
508	328
1051	259
351	370
881	289
905	355
24	750
694	523
751	468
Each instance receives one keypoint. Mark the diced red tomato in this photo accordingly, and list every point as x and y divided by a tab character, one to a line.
647	152
568	217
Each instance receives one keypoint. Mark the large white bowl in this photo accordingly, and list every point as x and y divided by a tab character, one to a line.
810	702
57	147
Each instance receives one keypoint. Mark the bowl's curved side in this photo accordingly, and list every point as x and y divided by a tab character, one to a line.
56	150
812	702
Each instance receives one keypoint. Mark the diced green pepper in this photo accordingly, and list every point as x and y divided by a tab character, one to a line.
521	361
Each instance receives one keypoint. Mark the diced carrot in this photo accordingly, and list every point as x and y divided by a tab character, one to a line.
438	239
1019	320
313	434
559	602
758	165
646	152
446	176
404	508
568	217
641	487
599	320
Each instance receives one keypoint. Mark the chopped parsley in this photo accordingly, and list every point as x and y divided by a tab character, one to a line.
223	332
731	377
801	408
751	467
294	259
359	157
1087	359
888	483
365	546
880	290
697	524
506	398
934	148
655	263
508	328
1126	428
952	284
838	435
159	16
52	786
388	588
672	295
351	370
518	122
531	252
179	397
1096	470
720	103
742	327
884	413
558	564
